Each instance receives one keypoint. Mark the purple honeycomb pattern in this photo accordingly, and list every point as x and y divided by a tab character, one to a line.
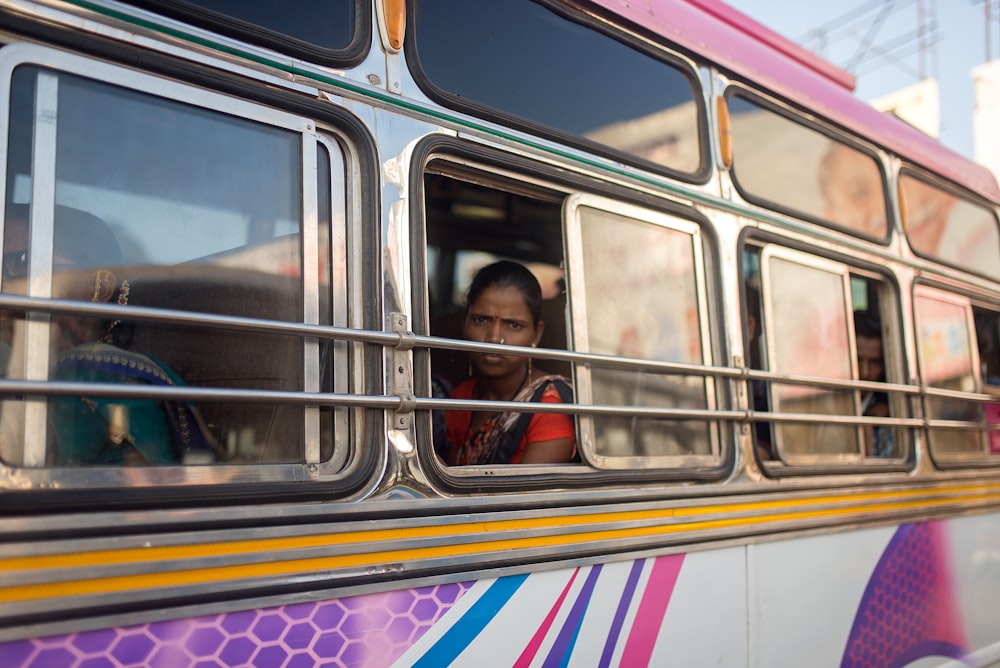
908	610
372	629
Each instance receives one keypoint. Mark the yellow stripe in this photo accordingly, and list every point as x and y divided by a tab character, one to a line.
327	563
205	550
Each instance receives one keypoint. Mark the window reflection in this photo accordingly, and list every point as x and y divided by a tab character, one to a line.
475	51
326	25
852	190
778	162
946	361
205	214
808	335
94	430
943	226
640	282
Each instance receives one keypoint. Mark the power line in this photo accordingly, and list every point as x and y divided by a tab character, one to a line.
991	17
864	39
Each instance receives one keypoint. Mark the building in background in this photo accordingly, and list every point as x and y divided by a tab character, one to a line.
919	105
985	115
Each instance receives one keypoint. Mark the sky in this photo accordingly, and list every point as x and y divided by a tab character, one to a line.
956	39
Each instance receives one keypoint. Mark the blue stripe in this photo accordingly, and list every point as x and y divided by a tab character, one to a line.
471	624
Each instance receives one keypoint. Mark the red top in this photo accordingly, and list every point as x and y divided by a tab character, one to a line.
543	426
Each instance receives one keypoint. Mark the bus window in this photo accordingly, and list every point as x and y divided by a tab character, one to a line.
638	291
821	319
780	163
469	227
117	196
755	350
490	57
948	360
988	340
621	262
947	227
807	320
330	32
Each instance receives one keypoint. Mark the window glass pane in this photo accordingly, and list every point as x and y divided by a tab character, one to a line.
808	335
158	204
641	287
781	163
817	315
941	225
329	24
946	361
520	58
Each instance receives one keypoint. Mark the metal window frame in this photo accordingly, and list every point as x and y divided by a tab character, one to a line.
576	273
780	110
54	63
921	291
843	272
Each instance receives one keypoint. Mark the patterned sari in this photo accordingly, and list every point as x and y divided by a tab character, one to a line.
498	439
119	430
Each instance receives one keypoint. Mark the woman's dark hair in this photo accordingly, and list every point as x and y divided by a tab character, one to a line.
507	274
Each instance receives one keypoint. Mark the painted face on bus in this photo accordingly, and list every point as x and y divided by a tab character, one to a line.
871	364
852	187
500	314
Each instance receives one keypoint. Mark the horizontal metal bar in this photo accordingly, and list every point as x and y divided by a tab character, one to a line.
580	409
406	339
685	369
35	388
191	319
25	388
976	397
592	359
703	414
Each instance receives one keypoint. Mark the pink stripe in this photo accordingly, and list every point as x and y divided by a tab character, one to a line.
528	655
652	607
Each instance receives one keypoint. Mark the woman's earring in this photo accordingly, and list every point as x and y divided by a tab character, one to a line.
98	280
529	363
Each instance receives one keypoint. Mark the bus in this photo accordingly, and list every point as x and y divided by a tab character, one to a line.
238	240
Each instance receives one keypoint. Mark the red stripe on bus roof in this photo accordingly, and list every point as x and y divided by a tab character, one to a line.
739	45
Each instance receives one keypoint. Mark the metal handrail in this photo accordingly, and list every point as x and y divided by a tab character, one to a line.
409	340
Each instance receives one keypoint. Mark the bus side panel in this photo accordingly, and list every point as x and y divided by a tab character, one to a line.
706	623
975	559
675	608
921	594
804	593
658	611
892	596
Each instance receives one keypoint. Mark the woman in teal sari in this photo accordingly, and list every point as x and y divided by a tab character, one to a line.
102	430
